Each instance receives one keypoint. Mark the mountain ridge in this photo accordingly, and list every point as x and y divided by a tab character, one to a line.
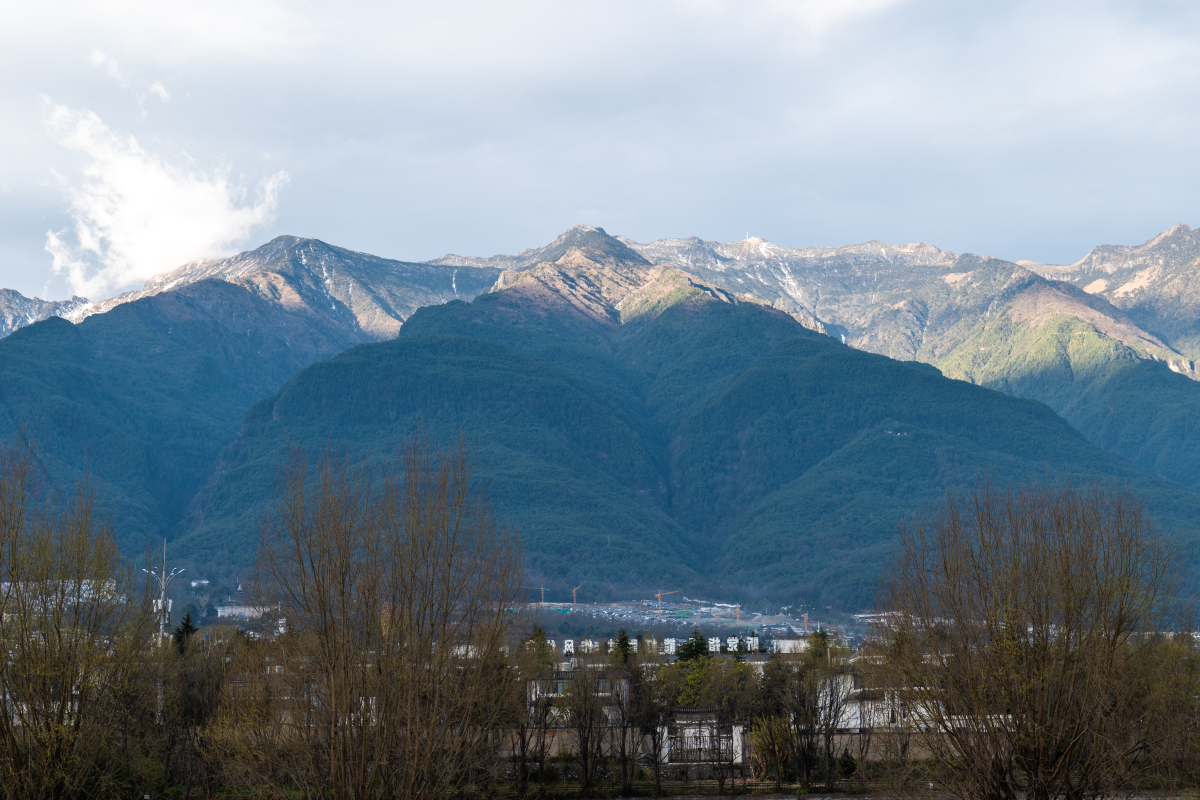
687	437
302	275
17	310
1154	282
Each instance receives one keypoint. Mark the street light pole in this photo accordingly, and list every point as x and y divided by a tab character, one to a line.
163	607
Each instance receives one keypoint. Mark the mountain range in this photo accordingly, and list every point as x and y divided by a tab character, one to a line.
738	416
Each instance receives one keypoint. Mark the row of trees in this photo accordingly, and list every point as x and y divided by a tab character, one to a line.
619	708
1039	643
75	632
381	670
1035	644
390	664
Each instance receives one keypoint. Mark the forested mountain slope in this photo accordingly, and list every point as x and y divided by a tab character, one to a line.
639	425
145	396
148	387
653	412
1101	350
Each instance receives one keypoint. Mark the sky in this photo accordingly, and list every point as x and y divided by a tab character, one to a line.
137	136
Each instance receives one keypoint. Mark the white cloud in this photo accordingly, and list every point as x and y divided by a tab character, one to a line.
110	65
811	19
1021	129
135	214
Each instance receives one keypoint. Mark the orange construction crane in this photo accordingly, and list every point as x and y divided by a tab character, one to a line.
543	588
738	611
805	623
660	596
574	594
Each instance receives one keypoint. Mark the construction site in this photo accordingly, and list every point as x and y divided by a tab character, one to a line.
669	613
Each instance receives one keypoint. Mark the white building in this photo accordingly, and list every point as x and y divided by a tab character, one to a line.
239	612
789	644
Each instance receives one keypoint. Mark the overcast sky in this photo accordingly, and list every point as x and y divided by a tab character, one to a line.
136	136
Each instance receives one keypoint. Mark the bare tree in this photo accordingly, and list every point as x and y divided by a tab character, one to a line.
75	637
532	704
197	677
584	706
625	679
894	726
653	701
868	709
772	729
248	743
394	588
828	668
799	695
1024	633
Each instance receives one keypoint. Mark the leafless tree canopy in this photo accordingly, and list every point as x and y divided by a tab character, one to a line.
1028	638
393	588
74	636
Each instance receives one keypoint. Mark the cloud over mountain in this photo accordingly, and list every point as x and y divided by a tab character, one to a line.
135	213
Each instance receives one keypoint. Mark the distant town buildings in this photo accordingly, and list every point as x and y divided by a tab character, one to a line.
789	644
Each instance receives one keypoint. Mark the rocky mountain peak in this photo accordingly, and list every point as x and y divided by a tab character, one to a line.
353	295
595	243
1156	283
17	310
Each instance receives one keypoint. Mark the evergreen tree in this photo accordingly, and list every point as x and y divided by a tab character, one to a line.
623	649
184	632
847	764
695	647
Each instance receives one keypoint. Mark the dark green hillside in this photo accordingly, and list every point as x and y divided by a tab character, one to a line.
690	350
146	395
837	446
716	444
1148	414
577	470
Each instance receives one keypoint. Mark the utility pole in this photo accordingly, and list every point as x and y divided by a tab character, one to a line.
162	607
575	594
